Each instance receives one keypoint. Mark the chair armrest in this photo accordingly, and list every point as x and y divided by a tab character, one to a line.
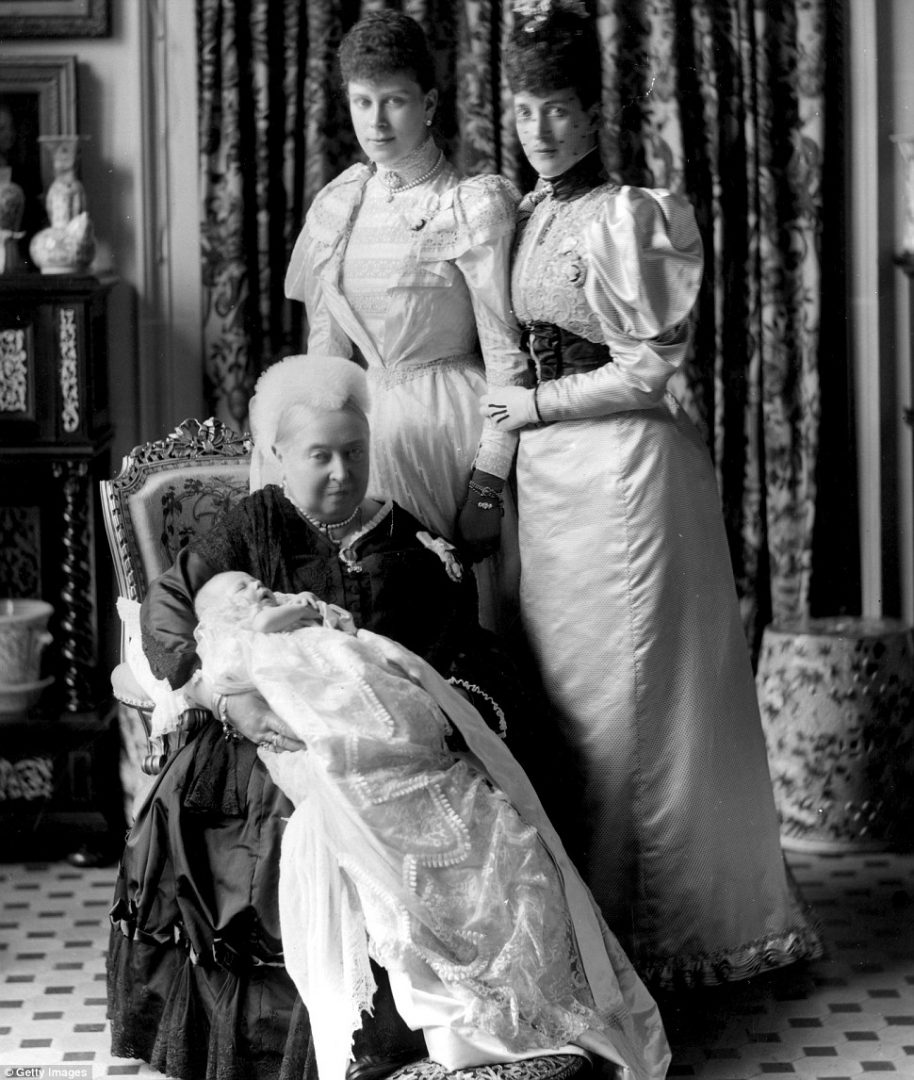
128	691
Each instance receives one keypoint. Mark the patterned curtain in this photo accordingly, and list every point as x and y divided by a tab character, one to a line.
735	103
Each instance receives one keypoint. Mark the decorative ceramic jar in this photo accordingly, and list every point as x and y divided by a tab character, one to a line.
23	638
837	704
67	246
64	251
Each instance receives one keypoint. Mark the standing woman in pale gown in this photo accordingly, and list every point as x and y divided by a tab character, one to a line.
406	266
627	592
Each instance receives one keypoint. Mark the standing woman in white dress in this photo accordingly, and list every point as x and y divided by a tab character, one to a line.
404	262
627	591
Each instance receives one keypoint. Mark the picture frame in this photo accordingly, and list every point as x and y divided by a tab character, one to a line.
54	18
37	98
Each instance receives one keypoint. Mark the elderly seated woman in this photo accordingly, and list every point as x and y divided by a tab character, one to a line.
196	979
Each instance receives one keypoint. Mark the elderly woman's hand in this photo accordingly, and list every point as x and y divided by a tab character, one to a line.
250	715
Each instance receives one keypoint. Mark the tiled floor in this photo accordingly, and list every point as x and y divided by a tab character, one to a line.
849	1015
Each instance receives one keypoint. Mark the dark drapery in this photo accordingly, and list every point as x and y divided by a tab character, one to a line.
735	103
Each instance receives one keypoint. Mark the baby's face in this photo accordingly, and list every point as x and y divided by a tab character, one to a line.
235	584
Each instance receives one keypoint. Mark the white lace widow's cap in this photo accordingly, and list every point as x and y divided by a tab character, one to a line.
320	383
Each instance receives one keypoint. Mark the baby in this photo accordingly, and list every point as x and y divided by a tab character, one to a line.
235	592
442	866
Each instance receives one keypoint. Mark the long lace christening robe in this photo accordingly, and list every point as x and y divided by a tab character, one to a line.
444	866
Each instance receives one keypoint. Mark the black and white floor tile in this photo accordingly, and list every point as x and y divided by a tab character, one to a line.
848	1015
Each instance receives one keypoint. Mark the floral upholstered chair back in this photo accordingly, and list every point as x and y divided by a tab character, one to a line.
168	492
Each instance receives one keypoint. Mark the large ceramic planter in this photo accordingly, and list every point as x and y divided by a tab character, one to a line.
837	703
23	638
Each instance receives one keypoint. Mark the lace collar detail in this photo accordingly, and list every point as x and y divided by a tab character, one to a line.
411	168
347	553
383	510
586	174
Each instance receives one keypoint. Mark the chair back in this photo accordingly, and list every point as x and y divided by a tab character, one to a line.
168	492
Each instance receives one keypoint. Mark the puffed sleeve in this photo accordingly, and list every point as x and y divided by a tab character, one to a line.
643	272
485	209
314	247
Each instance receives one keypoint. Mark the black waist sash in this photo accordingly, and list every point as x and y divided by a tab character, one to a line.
555	352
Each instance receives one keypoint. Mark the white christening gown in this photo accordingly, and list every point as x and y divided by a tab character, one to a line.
444	867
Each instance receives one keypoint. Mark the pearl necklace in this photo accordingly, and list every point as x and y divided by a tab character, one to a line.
325	527
394	182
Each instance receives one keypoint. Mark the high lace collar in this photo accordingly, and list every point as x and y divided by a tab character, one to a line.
410	168
586	174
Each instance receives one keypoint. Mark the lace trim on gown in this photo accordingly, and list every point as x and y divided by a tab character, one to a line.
694	970
553	1067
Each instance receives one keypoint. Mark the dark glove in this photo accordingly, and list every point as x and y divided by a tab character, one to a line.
479	520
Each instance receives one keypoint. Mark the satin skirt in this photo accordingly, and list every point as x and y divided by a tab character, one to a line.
425	430
629	603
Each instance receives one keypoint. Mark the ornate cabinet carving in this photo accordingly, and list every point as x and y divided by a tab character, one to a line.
53	361
55	434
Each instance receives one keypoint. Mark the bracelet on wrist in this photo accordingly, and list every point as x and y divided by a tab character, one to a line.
490	498
220	709
484	489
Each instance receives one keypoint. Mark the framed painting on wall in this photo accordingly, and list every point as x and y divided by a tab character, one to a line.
37	98
54	18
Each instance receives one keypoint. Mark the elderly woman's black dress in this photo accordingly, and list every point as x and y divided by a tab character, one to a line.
196	983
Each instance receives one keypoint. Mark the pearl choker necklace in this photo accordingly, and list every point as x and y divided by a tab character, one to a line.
393	181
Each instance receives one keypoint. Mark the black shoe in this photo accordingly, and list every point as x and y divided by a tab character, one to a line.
378	1066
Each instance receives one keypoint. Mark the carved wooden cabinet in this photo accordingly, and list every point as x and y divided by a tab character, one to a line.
55	434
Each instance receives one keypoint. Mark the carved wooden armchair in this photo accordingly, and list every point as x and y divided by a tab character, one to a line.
166	493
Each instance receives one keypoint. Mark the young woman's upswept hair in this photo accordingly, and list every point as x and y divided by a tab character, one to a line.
554	50
384	42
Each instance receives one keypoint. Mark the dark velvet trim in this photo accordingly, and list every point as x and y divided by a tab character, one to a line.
583	176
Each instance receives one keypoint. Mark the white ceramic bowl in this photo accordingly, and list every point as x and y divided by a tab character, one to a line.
20	697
